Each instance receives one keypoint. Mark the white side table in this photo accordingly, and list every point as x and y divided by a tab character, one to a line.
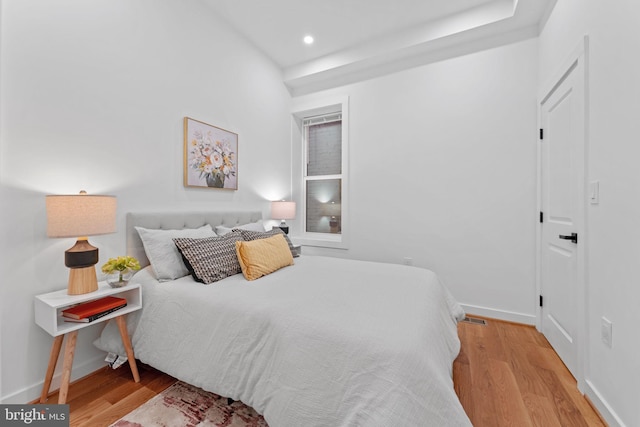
48	312
297	249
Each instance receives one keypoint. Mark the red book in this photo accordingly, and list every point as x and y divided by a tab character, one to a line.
90	308
95	316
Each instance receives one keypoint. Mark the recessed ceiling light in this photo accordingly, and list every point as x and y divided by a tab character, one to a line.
308	39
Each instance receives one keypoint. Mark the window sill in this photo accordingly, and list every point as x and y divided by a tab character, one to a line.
335	241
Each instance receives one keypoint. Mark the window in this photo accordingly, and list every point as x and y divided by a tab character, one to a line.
320	152
323	174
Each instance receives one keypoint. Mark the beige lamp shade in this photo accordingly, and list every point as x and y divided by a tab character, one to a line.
80	215
283	210
333	209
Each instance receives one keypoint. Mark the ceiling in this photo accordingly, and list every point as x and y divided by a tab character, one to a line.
356	39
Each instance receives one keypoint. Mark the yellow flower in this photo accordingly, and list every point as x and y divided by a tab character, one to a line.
120	264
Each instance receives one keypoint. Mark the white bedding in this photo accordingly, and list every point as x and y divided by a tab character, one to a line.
326	342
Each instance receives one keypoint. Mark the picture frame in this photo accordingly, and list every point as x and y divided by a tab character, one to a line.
210	156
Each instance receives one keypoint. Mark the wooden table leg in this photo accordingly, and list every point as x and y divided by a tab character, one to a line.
69	351
53	359
122	326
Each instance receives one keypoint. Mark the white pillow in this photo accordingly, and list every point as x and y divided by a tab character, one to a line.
221	230
163	254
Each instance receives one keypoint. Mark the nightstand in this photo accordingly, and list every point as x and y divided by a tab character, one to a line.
48	311
297	249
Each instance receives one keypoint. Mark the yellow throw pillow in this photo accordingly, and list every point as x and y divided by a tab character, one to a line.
260	257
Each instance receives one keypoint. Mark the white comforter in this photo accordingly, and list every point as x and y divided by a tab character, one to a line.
326	342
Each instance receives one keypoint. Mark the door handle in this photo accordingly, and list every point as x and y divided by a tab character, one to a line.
573	237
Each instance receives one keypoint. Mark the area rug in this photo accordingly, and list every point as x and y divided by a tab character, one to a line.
185	405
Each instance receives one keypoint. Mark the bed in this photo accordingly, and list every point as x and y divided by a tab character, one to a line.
323	342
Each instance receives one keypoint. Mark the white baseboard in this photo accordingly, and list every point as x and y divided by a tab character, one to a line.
32	392
510	316
606	411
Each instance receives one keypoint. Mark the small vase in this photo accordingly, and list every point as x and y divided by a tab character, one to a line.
119	279
215	180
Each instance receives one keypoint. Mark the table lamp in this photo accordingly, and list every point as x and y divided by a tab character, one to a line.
283	210
333	210
81	215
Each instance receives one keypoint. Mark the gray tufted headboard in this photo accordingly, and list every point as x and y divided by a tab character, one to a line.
178	221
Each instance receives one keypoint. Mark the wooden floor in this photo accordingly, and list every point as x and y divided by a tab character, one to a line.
107	395
505	375
508	375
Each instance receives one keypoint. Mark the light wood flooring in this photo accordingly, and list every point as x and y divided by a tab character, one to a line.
505	375
508	375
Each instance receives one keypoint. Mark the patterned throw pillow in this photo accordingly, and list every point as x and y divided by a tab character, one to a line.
212	258
249	235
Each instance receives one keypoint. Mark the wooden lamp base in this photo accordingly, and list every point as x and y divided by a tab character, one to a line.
82	280
81	259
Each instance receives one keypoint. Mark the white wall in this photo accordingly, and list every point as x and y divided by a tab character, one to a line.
92	96
442	170
612	374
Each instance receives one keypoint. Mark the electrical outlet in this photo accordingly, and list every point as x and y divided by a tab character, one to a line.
607	332
408	260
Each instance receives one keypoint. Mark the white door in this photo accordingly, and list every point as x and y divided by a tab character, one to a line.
562	203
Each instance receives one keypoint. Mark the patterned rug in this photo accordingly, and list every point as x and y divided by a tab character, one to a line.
185	405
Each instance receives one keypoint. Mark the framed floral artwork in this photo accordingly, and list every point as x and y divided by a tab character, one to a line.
210	156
